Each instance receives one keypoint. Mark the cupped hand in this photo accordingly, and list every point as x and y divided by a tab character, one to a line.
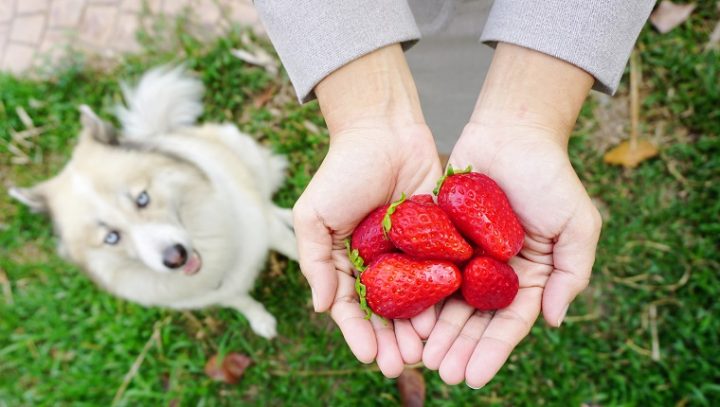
366	166
562	227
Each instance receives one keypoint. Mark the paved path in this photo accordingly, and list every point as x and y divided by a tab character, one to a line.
449	66
31	31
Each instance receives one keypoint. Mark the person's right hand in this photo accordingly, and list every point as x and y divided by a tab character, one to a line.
380	147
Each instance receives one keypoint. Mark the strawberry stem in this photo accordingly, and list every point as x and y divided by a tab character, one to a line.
360	288
450	171
387	222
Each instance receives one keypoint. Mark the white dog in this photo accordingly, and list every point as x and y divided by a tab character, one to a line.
166	212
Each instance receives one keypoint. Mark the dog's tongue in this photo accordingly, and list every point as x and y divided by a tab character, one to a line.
193	265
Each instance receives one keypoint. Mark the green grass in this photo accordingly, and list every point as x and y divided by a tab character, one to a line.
63	342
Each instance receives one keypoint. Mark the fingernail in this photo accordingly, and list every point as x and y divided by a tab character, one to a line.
475	388
314	299
562	316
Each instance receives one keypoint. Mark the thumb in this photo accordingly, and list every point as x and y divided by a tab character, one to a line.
315	252
573	258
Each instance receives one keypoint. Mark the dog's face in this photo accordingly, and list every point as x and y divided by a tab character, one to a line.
116	207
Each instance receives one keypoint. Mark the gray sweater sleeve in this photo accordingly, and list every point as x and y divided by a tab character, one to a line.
316	37
595	35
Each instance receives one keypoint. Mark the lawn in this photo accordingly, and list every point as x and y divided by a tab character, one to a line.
646	331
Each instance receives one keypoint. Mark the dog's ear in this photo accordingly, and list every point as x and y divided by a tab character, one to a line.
34	198
95	128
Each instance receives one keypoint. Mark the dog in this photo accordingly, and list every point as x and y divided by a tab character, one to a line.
167	212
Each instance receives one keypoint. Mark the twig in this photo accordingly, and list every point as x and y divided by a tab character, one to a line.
154	338
582	318
338	372
637	348
6	288
24	117
634	99
630	282
652	312
650	244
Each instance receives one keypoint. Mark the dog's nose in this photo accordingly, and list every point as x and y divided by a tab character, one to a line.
175	256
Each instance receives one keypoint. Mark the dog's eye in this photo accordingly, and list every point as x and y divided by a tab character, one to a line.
142	200
112	238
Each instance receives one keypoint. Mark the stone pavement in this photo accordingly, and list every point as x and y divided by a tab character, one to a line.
35	31
449	64
449	68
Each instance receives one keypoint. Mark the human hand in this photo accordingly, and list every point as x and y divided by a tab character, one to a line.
380	147
518	136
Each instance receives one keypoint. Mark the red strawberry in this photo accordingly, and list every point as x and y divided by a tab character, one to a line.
482	212
397	286
423	231
369	238
489	284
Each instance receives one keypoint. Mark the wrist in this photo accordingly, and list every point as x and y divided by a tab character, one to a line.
531	89
375	88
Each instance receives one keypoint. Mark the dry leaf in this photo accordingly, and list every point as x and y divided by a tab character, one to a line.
259	58
669	15
261	99
411	385
630	156
231	370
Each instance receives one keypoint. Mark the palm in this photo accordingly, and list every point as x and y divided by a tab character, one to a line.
365	168
561	227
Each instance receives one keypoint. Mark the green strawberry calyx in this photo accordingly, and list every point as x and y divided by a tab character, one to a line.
387	222
450	171
360	288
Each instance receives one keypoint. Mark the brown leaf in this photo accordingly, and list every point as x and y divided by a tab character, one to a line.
411	385
261	99
629	155
229	370
669	15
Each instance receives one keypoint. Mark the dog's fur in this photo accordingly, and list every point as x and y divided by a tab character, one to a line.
127	198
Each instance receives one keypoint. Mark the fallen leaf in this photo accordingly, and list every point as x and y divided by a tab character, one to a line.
259	57
629	155
669	15
229	370
261	99
411	385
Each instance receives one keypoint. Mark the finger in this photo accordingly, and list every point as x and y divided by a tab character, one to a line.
507	327
573	257
408	341
452	318
388	357
424	322
453	365
358	331
315	251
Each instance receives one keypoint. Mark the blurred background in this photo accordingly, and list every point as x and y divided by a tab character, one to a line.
645	332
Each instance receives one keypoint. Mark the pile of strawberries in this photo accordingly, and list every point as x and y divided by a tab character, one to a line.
419	252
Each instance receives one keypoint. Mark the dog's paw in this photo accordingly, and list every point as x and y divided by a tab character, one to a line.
265	326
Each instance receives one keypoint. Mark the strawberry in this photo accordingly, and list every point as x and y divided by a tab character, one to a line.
489	284
481	211
397	286
421	229
369	238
